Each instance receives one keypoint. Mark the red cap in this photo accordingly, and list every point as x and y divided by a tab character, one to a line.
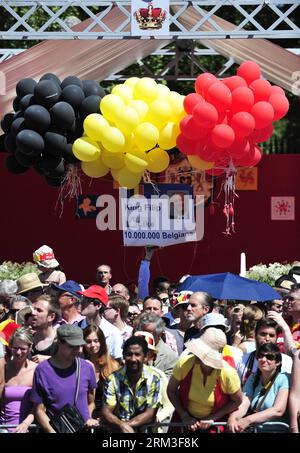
95	292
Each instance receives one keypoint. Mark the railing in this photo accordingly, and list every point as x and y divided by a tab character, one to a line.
267	427
270	19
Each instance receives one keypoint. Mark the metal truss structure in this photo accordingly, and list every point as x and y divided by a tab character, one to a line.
270	19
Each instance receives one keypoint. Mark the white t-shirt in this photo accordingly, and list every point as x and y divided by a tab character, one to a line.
113	337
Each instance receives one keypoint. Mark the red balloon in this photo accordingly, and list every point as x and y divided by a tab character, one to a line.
215	171
209	153
185	145
191	129
239	148
242	100
190	101
262	135
280	105
222	135
203	81
205	115
251	159
261	89
263	113
277	90
249	70
234	82
219	95
243	124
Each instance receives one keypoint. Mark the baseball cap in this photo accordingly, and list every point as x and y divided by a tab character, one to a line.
148	337
69	287
73	335
95	292
212	319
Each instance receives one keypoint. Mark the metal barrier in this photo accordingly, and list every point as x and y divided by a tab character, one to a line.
31	428
267	427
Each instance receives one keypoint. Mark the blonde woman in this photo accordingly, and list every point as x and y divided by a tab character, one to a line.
245	338
15	406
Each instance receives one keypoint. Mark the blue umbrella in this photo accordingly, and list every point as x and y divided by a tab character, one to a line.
229	286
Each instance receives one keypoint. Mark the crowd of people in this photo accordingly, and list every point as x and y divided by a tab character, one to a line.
135	358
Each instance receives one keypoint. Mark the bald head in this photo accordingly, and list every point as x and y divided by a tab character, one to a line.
120	289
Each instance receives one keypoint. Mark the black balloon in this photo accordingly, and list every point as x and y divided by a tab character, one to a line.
30	142
63	116
6	122
57	172
10	143
16	104
26	101
69	155
17	126
72	94
76	130
47	93
71	80
37	118
25	86
2	138
89	105
18	115
26	161
52	77
54	182
49	163
55	144
13	165
91	87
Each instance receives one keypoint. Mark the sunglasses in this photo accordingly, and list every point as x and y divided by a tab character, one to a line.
132	315
268	356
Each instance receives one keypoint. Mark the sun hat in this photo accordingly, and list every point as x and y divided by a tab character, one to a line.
295	273
44	256
285	284
95	292
209	347
213	319
28	282
148	337
69	286
73	335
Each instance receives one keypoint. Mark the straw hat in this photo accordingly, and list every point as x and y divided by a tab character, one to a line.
28	282
209	347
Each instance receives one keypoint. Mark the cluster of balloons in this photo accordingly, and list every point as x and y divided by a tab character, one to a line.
227	119
136	125
48	117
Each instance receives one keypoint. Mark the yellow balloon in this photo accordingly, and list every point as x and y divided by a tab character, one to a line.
95	169
159	113
131	81
145	89
129	142
124	91
110	104
86	149
140	107
113	139
113	160
168	136
128	179
93	126
127	120
158	160
146	136
114	172
163	91
200	164
134	163
176	102
138	153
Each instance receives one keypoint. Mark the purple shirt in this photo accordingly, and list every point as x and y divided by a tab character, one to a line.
15	405
55	387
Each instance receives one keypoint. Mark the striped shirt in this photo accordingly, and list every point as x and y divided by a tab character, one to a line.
128	403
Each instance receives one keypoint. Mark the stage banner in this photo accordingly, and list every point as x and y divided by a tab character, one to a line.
150	18
163	214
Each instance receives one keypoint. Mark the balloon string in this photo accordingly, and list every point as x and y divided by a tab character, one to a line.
70	187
